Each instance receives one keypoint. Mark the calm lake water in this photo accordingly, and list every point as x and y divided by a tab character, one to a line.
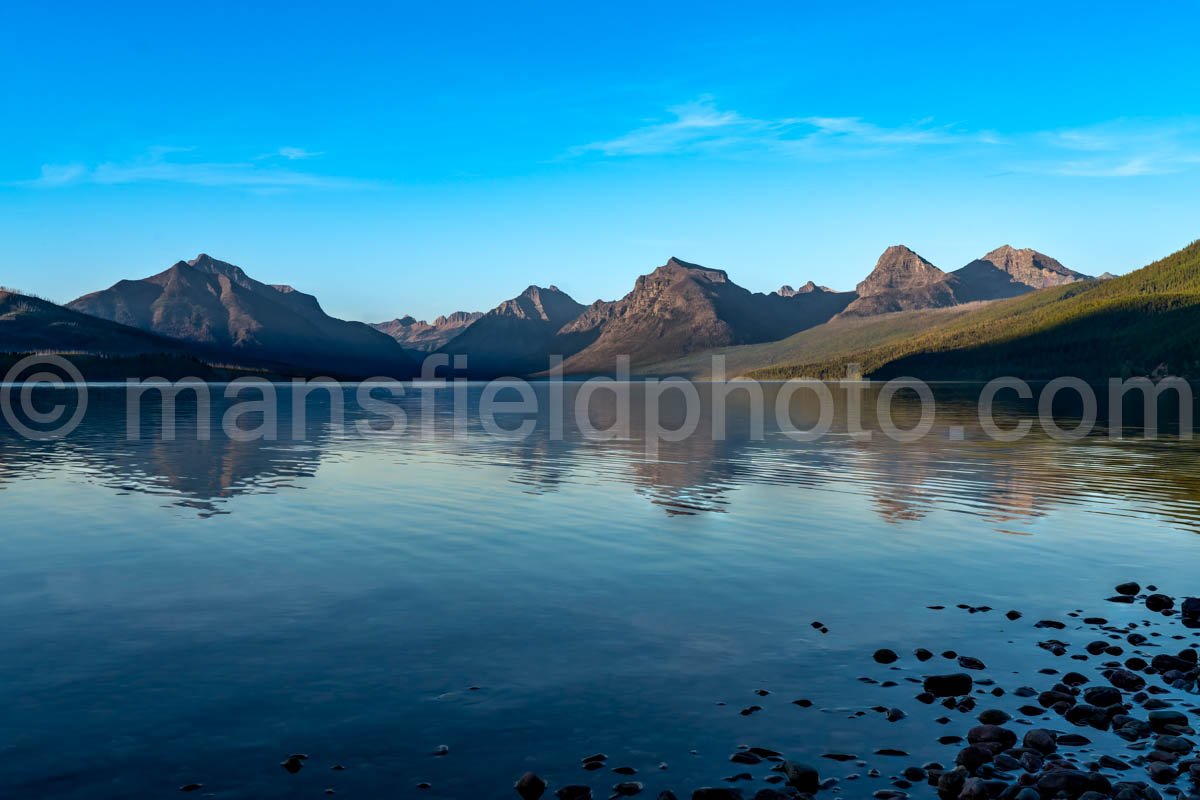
176	612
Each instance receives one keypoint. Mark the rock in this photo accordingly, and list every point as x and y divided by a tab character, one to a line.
1109	762
717	793
801	777
530	786
1167	663
1013	615
667	794
1041	740
1127	680
625	770
442	750
745	758
1103	696
191	787
574	792
974	756
922	654
1074	679
886	656
1162	773
1051	699
1071	782
764	752
628	788
967	662
994	716
992	734
293	764
1073	740
1087	714
949	784
1190	609
1160	721
1174	744
1160	602
1128	589
954	685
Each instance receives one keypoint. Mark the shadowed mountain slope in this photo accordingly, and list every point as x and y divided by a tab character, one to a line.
1144	323
518	336
220	310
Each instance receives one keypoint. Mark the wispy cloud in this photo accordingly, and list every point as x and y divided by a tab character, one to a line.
296	153
173	166
1116	149
1119	149
701	126
698	125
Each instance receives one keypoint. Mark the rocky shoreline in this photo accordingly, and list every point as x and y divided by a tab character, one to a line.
1025	739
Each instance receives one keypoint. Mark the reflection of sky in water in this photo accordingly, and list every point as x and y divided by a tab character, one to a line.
350	591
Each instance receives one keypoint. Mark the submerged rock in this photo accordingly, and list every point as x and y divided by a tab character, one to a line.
530	786
574	792
954	685
886	656
801	776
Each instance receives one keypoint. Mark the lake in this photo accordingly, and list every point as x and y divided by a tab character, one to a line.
194	612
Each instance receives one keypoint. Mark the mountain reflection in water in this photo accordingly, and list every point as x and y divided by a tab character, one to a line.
955	467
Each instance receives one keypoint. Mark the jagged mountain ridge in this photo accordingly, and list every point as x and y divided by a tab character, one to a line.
218	308
904	281
678	309
516	337
681	308
425	336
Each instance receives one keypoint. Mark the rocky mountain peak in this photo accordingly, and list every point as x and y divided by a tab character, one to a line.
1030	267
678	265
545	303
899	268
808	288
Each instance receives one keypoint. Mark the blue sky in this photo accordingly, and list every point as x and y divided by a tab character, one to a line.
424	158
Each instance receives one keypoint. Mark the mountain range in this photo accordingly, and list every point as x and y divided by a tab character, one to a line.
221	312
905	311
417	334
1145	323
